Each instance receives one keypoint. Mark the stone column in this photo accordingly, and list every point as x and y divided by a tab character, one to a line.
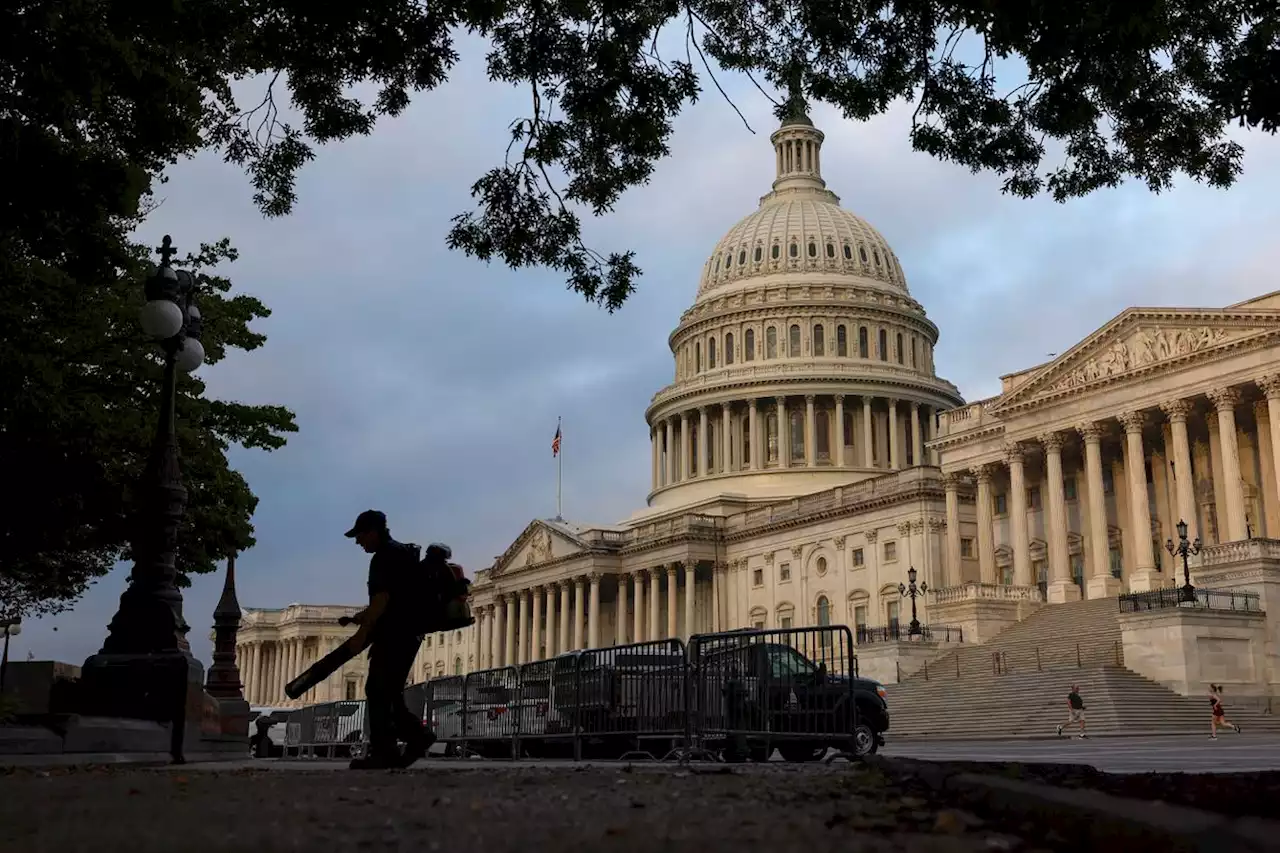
673	604
986	525
784	433
810	432
251	677
535	641
838	456
868	456
1101	584
563	644
579	605
655	610
1061	586
895	451
917	448
726	420
754	443
1143	577
655	457
522	640
1270	386
1266	468
1018	517
509	654
955	573
549	633
295	658
638	621
593	611
620	614
484	633
1184	483
717	592
690	586
497	631
1225	401
703	444
672	456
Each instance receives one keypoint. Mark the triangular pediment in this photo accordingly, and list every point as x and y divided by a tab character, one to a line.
541	542
1138	341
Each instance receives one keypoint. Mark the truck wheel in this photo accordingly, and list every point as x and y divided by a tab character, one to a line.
864	740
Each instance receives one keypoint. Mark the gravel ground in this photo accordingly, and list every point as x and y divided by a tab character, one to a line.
778	809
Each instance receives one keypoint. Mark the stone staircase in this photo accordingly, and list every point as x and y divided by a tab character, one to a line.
1015	685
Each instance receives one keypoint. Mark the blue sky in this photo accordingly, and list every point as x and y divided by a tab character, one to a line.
428	385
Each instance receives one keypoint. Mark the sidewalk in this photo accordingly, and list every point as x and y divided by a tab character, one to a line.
494	809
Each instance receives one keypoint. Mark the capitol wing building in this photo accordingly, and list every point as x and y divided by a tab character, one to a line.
807	455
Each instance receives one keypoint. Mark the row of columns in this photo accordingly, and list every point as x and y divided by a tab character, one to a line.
1141	564
266	666
733	427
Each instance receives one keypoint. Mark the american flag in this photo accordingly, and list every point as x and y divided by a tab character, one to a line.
555	443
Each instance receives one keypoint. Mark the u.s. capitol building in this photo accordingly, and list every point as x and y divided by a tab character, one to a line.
807	453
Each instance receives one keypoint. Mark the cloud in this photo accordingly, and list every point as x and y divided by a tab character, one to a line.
428	385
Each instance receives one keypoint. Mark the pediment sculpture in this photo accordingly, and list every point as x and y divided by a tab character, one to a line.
1145	347
539	547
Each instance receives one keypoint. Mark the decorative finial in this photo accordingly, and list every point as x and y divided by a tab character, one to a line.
166	251
224	676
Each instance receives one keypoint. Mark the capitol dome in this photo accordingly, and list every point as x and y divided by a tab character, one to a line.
804	363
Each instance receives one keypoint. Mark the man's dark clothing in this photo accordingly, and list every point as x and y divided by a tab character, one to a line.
394	646
1074	700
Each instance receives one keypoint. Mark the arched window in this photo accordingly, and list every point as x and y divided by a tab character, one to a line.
771	342
848	252
824	621
900	353
457	666
759	254
862	254
794	341
913	350
728	348
749	345
819	341
822	438
831	250
842	341
711	353
862	342
813	249
717	265
793	250
884	345
697	357
796	428
774	252
742	257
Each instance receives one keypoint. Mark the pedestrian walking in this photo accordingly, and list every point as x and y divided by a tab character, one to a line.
390	625
1075	712
1219	713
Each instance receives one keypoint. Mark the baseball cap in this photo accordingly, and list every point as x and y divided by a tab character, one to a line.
370	519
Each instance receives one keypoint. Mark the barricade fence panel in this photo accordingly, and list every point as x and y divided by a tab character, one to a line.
735	693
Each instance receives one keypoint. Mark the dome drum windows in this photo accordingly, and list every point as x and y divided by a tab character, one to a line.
711	354
749	345
863	345
742	258
884	345
759	253
862	254
793	250
793	339
771	342
900	354
831	250
775	251
842	341
819	341
813	249
728	346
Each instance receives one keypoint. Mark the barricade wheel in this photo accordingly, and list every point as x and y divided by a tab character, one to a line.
799	752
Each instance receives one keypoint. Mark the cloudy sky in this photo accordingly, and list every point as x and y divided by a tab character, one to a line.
428	385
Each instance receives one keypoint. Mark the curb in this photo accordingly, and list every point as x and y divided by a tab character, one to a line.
1088	819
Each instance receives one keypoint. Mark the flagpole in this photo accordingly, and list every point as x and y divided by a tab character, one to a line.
559	472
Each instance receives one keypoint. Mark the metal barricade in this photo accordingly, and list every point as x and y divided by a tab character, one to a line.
442	711
627	701
415	698
489	729
299	732
544	730
752	691
323	728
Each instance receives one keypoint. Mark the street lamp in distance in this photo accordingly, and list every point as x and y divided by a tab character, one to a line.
1184	549
913	592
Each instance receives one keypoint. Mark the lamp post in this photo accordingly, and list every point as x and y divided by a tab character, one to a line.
11	628
146	644
913	592
1184	549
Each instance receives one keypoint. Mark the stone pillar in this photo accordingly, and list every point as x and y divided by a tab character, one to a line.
1018	517
895	449
717	592
1100	584
655	457
579	605
1225	401
509	654
838	456
754	443
671	453
522	641
295	658
620	614
726	421
1143	577
484	628
638	621
564	618
673	604
1061	586
593	611
1266	469
917	446
1184	483
703	445
784	433
810	432
252	681
986	525
955	569
655	610
535	641
1270	386
683	470
497	631
553	647
868	455
690	587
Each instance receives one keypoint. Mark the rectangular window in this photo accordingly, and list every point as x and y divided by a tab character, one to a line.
966	547
819	341
351	690
892	612
860	616
785	623
884	345
757	577
1069	488
890	551
1077	569
1116	563
1002	504
1108	481
842	342
857	557
862	342
784	572
1033	498
1006	576
758	625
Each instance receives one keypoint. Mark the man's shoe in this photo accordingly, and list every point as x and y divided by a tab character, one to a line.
1059	731
418	749
373	762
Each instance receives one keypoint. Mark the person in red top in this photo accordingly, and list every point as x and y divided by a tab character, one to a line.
1219	714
